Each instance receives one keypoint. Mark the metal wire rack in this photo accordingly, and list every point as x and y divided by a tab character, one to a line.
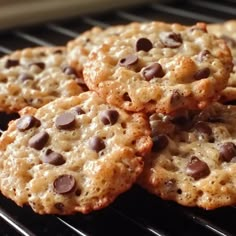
135	212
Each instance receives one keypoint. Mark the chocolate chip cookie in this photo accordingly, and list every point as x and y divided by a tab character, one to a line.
227	31
74	154
159	67
34	77
193	158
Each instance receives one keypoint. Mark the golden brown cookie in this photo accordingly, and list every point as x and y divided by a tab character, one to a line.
72	155
159	67
193	159
227	31
34	77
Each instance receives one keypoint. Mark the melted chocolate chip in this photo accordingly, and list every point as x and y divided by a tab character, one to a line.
79	111
58	51
153	71
11	63
126	97
197	169
180	119
183	121
202	73
53	158
227	151
64	184
96	144
78	192
81	83
128	60
69	71
41	65
59	206
160	125
26	122
24	77
109	117
65	121
203	127
143	44
39	140
171	39
42	54
154	127
160	142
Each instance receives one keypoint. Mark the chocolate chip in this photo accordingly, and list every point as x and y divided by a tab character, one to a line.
183	121
41	65
78	192
203	127
109	117
197	169
96	144
179	191
26	122
126	97
154	124
41	54
171	39
180	119
160	125
203	54
58	51
65	121
204	131
153	71
53	158
143	44
64	184
229	40
160	142
81	83
128	60
154	117
39	140
79	111
59	206
11	63
202	73
69	70
227	151
24	77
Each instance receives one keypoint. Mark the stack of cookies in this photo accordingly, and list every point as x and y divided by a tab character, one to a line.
140	103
